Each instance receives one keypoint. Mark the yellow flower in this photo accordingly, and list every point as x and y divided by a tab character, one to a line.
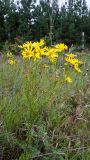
71	58
10	55
68	79
37	50
61	47
52	54
11	62
42	42
32	50
77	68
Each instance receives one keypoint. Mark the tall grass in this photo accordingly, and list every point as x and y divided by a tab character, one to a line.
41	116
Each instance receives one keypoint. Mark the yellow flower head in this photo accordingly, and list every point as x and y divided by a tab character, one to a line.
71	58
42	42
68	79
10	55
52	55
77	68
61	47
11	62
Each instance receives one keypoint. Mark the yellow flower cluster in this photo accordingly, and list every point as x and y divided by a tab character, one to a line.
61	47
11	59
72	59
37	50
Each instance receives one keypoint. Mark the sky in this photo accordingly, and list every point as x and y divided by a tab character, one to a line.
61	1
88	2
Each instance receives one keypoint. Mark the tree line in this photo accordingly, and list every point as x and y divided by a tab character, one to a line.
31	20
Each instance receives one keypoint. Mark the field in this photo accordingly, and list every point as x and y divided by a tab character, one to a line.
42	117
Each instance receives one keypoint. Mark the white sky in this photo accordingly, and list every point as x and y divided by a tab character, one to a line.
61	1
88	2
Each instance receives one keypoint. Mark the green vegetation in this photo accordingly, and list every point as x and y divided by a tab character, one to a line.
42	117
44	93
29	20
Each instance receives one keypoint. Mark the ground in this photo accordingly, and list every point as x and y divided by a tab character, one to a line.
42	117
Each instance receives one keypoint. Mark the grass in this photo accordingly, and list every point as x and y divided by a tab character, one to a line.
42	117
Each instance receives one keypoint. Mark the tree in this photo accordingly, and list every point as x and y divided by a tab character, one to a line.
3	13
32	21
76	14
41	20
25	18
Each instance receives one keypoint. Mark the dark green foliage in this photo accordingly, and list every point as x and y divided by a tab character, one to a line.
31	21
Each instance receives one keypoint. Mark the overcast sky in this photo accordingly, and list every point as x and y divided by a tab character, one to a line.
88	2
61	1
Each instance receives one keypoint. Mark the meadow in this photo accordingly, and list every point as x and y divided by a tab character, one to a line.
42	116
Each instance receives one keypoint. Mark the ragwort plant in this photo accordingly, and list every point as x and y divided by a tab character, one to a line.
42	115
38	50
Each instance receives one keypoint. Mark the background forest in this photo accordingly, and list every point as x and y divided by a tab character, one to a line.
30	20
